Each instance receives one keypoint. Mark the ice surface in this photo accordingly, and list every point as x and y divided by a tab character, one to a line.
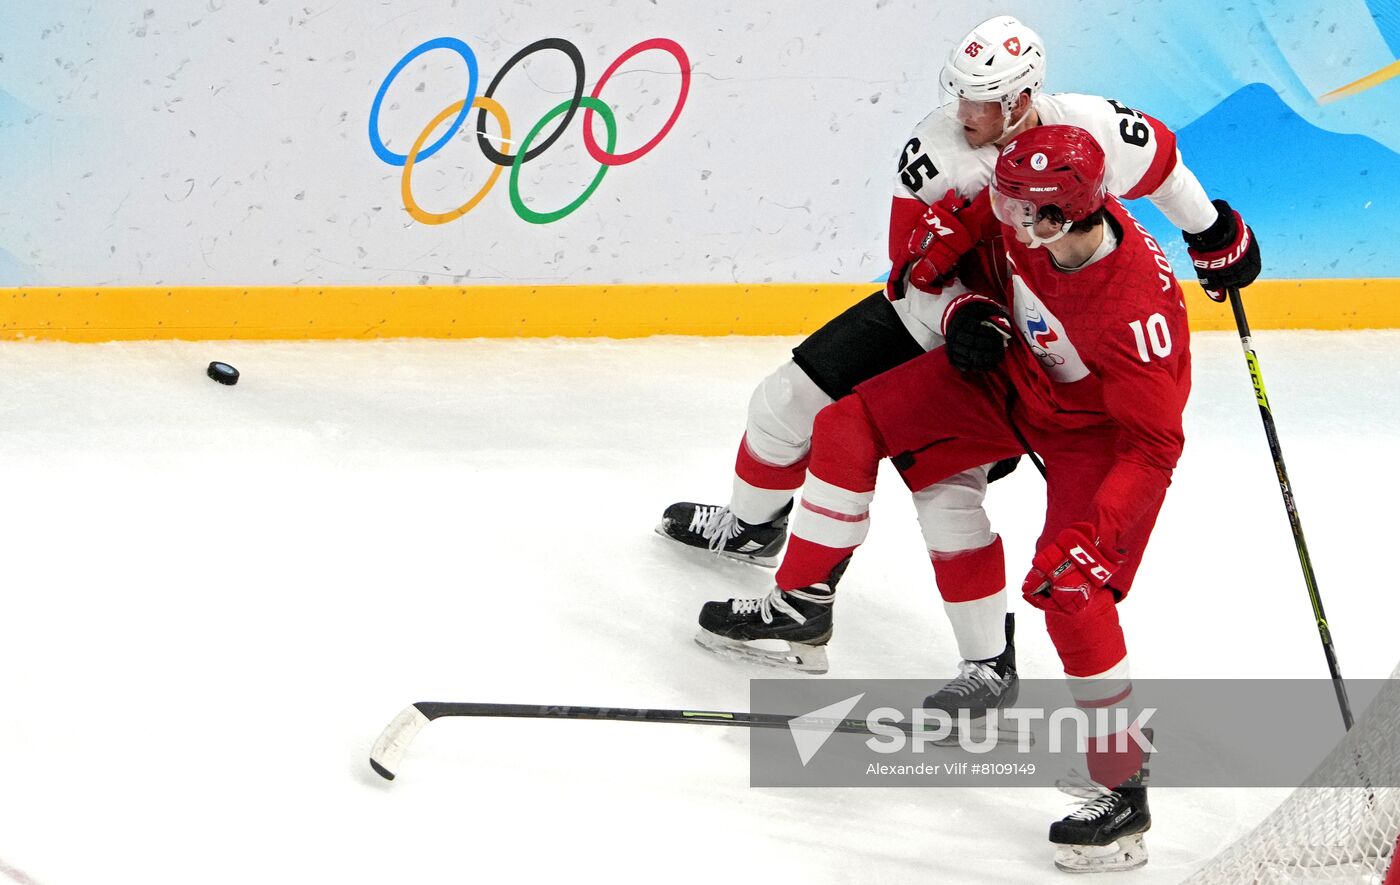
215	598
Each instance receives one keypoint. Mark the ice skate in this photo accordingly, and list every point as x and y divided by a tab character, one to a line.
715	528
981	686
1105	834
786	628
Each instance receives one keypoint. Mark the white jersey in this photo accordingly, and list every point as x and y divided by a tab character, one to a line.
1139	151
937	158
1140	158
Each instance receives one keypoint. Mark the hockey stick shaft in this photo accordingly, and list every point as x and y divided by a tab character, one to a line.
1011	408
393	743
1271	432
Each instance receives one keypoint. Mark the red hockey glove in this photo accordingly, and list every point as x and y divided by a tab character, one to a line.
1069	568
937	241
1226	254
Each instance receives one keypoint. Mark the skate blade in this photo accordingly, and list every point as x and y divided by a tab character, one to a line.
1127	853
747	558
791	656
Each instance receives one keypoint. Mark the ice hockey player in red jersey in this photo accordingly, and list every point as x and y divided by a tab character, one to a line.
1086	359
993	82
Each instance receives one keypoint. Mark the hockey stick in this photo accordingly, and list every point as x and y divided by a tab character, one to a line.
1011	405
1021	437
393	743
1241	323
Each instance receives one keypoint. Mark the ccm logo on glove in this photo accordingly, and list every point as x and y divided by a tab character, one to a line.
937	230
1067	570
1096	571
937	242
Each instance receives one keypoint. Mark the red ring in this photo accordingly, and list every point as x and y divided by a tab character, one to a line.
602	156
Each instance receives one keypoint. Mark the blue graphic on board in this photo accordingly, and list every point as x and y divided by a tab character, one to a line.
15	142
1285	108
1179	60
1323	204
14	272
13	111
1386	15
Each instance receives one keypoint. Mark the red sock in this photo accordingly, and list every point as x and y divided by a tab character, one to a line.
807	563
1111	762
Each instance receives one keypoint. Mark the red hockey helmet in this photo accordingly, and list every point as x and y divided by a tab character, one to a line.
1058	166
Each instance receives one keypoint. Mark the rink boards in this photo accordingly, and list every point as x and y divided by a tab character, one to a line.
622	311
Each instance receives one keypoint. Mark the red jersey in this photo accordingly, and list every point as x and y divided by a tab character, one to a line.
1106	344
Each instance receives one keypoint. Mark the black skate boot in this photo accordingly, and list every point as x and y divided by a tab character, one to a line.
1106	833
801	619
717	529
981	686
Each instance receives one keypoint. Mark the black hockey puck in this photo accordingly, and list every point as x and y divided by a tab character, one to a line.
223	373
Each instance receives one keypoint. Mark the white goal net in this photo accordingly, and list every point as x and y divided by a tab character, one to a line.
1326	833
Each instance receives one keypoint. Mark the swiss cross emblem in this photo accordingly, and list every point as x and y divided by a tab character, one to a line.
1013	45
973	49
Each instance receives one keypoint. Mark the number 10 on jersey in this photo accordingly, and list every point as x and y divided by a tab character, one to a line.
1157	335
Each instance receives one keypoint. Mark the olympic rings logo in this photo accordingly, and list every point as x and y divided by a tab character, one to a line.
524	153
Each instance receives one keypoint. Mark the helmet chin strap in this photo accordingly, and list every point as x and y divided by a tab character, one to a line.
1007	126
1037	242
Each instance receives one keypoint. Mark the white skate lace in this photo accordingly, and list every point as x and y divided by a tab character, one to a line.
716	525
973	675
1081	786
778	599
1095	807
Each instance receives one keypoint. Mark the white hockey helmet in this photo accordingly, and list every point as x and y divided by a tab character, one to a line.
997	61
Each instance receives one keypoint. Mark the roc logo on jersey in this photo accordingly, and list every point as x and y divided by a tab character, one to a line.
1039	330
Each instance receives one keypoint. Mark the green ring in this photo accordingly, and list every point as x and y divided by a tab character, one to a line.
531	215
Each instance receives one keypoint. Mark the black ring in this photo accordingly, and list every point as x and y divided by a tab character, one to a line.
575	56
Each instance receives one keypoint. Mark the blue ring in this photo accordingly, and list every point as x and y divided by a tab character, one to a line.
467	55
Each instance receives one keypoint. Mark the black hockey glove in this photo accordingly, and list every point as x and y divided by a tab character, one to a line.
977	334
1226	254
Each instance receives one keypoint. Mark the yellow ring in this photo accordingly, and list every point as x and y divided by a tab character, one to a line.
491	106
